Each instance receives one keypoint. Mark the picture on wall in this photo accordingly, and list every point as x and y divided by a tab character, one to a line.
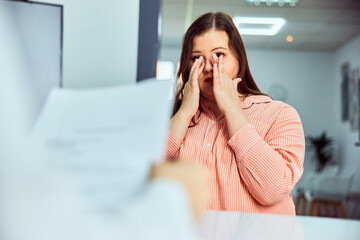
345	69
358	143
354	99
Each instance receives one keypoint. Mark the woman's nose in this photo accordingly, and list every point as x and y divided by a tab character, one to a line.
208	66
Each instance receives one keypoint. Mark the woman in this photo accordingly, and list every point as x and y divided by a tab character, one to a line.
252	145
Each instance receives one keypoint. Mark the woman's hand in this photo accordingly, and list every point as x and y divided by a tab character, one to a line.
194	178
227	97
191	94
190	102
225	89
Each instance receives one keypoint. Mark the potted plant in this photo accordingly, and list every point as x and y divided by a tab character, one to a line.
322	146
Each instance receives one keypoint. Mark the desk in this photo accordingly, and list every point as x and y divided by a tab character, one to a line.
233	225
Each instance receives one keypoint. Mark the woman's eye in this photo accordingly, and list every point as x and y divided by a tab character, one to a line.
219	54
194	58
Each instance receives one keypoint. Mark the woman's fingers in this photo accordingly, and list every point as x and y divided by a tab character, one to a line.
195	69
216	75
192	70
215	58
218	67
236	82
199	65
217	70
198	69
221	68
191	92
202	65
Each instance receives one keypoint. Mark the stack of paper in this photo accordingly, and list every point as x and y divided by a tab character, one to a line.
107	137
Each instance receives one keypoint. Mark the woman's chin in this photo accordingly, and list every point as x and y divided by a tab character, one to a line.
209	97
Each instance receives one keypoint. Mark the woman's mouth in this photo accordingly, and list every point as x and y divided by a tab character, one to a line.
209	80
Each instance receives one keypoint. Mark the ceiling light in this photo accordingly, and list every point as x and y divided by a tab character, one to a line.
270	3
289	38
258	26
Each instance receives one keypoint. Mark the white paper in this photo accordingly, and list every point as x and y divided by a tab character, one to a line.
86	124
84	175
105	139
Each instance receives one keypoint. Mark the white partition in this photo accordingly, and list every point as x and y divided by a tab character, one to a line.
38	32
100	42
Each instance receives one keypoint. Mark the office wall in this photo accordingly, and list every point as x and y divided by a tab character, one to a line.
306	78
350	154
100	42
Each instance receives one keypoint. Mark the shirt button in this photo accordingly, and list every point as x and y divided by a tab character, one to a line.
208	145
213	122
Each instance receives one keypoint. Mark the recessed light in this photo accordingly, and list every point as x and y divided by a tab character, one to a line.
272	3
258	26
289	38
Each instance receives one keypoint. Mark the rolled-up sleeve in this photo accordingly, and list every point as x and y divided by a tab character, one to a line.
271	166
172	147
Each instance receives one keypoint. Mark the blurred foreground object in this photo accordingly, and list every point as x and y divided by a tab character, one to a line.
192	176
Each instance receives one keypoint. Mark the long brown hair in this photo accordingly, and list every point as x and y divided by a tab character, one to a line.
218	21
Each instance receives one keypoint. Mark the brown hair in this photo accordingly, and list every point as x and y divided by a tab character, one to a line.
218	21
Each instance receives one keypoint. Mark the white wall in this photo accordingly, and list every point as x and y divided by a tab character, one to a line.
307	79
350	52
19	93
100	42
16	108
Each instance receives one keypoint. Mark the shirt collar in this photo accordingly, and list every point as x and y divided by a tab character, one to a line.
251	99
248	102
204	106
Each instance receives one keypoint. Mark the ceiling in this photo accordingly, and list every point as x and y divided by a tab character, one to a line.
316	25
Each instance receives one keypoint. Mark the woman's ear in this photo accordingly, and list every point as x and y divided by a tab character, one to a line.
180	80
179	83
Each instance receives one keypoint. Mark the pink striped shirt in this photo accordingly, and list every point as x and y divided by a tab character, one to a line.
254	170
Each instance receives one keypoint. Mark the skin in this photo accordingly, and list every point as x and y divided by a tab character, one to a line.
211	59
192	176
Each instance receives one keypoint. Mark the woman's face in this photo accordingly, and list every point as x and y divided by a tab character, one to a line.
213	41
